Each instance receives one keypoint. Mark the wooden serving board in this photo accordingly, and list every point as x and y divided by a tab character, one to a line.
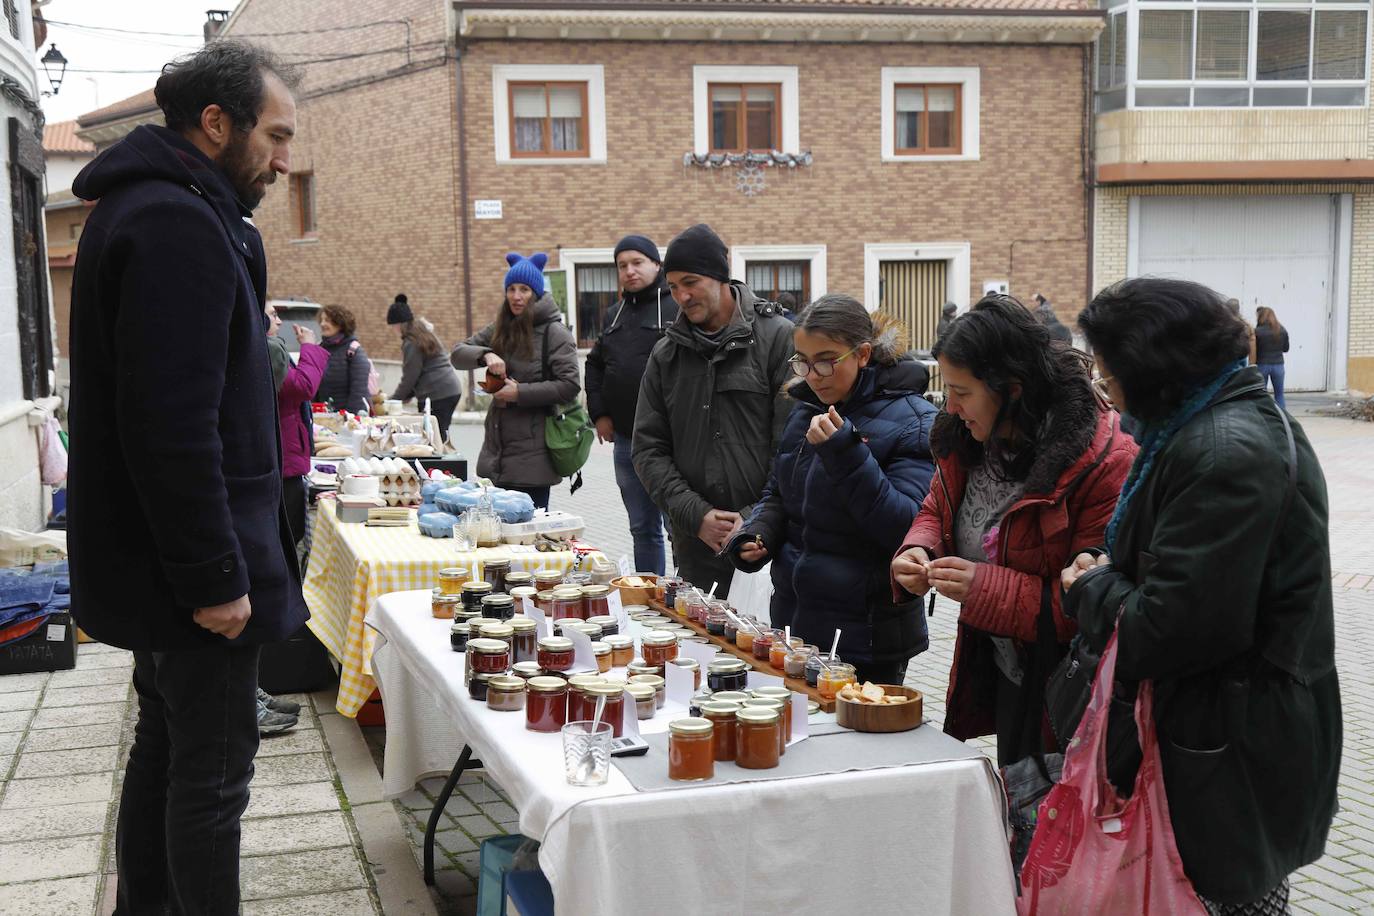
793	683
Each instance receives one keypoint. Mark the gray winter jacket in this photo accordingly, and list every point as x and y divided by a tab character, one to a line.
513	450
425	376
710	418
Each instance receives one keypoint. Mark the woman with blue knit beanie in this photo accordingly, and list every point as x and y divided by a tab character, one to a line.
530	359
1216	579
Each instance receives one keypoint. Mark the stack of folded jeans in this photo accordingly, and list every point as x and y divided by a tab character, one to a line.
29	595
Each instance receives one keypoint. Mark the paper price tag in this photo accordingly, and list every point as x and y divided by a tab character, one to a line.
584	660
800	725
678	684
533	612
617	610
759	679
626	569
704	653
629	722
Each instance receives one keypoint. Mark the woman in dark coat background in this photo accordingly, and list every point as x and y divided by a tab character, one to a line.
851	470
345	378
1217	581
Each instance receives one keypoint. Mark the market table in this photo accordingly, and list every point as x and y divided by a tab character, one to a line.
926	838
352	564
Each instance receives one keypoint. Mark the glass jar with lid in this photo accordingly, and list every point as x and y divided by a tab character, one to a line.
614	694
757	738
602	653
592	630
473	593
580	708
555	653
442	606
656	682
519	593
658	646
573	577
524	639
546	704
727	673
488	656
546	579
567	602
690	752
609	625
622	649
451	579
780	707
458	636
499	606
722	717
544	601
785	695
526	670
502	631
643	695
506	693
477	686
494	572
639	666
596	600
518	579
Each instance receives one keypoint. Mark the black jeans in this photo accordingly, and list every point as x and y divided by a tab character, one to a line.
186	785
879	672
442	411
295	492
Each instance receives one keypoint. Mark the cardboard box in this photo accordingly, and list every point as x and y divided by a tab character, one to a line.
51	647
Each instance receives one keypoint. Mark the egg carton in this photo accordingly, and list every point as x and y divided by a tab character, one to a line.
554	523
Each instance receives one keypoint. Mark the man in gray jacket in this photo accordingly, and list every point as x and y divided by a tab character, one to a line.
711	406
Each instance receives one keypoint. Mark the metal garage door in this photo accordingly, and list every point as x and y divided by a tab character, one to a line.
913	293
1274	251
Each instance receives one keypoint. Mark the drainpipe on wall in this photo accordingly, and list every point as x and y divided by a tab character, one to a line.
1089	172
462	206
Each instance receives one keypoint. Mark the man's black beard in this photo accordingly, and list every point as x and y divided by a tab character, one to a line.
241	172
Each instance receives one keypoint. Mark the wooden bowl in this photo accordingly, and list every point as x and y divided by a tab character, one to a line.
630	594
865	717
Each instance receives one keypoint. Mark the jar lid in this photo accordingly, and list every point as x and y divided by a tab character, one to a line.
659	638
522	624
459	626
478	676
725	666
497	631
690	664
596	591
548	575
556	643
526	670
720	707
518	576
633	609
477	585
600	648
464	614
691	725
546	684
479	621
439	597
602	620
638	667
499	563
448	572
604	689
619	640
734	696
567	591
487	646
757	715
652	679
585	680
522	591
641	691
497	598
780	693
592	630
765	703
506	684
546	595
692	638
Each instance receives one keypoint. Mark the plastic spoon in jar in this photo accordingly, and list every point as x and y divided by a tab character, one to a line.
712	592
787	637
588	761
834	645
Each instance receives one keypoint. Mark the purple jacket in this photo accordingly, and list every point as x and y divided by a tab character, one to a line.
300	383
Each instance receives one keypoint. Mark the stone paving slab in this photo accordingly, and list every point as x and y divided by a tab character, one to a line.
79	716
276	801
64	739
289	769
294	832
58	790
343	903
60	857
58	897
14	683
59	763
53	821
24	699
316	871
86	696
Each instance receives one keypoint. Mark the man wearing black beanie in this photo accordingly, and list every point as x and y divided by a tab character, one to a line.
615	367
711	406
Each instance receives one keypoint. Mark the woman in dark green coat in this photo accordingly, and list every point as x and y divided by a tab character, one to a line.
1217	580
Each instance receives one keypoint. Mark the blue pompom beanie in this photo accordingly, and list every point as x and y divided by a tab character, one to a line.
529	271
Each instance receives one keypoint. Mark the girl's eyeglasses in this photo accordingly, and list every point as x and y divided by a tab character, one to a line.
824	368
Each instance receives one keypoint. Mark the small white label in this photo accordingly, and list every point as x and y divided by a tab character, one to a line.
678	684
800	723
758	679
486	209
629	719
1111	825
541	623
617	610
584	659
702	652
625	568
57	632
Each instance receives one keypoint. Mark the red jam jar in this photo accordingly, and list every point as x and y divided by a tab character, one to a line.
659	647
547	579
595	600
615	704
690	756
488	656
580	706
546	704
763	644
555	653
756	738
524	639
544	601
567	602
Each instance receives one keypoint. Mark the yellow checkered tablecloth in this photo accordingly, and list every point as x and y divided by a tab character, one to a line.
351	565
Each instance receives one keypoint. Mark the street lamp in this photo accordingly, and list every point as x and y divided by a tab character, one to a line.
54	61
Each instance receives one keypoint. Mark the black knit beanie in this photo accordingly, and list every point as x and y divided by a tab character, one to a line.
698	250
399	312
641	243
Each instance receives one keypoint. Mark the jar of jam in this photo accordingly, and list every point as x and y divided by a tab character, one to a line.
519	593
494	572
690	751
546	704
696	607
654	621
592	630
656	682
622	649
544	601
442	606
524	639
670	585
763	644
783	694
679	605
580	708
778	652
458	635
488	656
502	631
602	653
451	579
547	579
829	681
462	613
643	695
475	624
731	696
758	737
567	602
795	663
473	593
778	706
506	694
727	674
555	653
635	611
722	717
609	625
477	686
500	607
518	579
658	647
526	670
815	664
691	665
595	599
640	667
744	640
715	622
614	713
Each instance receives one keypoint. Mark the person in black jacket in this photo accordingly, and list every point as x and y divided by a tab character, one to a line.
180	549
345	381
1044	313
615	367
1271	342
1216	580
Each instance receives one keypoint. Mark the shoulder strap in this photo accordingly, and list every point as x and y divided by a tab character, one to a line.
1292	468
544	360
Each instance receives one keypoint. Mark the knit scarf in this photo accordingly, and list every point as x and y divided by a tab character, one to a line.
1154	436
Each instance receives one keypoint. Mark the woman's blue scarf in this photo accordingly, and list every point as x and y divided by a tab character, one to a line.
1154	436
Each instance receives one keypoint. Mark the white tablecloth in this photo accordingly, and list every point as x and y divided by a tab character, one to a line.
913	839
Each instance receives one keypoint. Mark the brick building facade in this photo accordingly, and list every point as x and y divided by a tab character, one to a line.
399	142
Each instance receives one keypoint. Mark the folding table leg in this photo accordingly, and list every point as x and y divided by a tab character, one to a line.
465	762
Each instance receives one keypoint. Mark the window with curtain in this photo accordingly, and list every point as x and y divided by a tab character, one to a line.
745	117
548	119
926	119
771	279
598	287
1166	45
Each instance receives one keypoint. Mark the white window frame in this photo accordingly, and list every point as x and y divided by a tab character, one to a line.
569	259
969	81
740	255
502	75
956	254
703	77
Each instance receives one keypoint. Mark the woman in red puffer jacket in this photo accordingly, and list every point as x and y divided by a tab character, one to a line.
1029	462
